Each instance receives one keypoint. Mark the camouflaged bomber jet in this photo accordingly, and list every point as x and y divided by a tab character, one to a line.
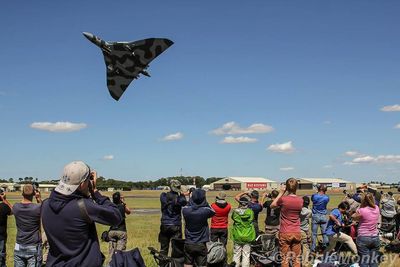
125	61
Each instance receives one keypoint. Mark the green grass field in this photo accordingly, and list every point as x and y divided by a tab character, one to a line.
143	228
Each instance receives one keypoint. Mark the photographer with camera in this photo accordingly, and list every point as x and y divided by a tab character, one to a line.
273	215
28	250
5	211
289	231
117	234
171	217
69	216
219	222
320	201
254	205
335	225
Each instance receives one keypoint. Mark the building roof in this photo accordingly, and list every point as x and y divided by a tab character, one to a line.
324	180
47	185
244	179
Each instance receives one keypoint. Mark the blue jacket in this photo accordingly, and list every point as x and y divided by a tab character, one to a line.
196	215
73	241
171	207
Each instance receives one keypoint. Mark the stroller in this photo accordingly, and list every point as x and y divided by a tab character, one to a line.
177	255
387	231
216	254
265	252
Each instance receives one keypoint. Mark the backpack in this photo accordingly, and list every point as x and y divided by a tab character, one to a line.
216	252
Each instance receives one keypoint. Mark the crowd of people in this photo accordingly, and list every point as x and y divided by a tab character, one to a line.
354	222
70	238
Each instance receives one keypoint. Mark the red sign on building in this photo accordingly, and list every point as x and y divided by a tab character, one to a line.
256	185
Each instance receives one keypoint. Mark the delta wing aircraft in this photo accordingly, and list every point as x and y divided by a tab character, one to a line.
125	61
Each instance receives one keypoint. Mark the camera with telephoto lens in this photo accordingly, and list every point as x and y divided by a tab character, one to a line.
35	186
1	191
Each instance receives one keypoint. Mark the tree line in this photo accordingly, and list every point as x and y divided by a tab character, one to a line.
104	183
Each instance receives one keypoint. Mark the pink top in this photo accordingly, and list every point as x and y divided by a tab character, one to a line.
368	221
291	206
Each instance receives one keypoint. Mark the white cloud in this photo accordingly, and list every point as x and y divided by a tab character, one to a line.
367	159
173	137
352	153
58	126
282	148
392	108
237	140
234	128
397	126
286	169
349	163
327	166
108	157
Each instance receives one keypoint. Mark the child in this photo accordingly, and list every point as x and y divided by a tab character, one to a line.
243	233
305	216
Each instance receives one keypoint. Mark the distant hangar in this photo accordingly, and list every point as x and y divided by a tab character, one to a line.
244	184
331	183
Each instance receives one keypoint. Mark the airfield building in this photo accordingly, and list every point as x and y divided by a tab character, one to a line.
336	184
244	184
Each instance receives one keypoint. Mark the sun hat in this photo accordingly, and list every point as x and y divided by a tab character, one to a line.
175	186
73	175
221	196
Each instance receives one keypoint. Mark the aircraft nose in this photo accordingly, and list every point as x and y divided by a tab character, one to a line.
169	42
88	35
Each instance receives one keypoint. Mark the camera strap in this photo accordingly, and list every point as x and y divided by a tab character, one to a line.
83	210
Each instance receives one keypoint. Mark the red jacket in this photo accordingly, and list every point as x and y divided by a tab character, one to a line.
220	219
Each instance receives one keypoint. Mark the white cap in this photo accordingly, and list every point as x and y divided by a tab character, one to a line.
73	175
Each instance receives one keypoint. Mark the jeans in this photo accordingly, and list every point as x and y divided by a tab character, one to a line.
27	256
368	247
318	220
3	253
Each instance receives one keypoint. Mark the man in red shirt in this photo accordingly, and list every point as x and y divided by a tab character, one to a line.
289	231
219	222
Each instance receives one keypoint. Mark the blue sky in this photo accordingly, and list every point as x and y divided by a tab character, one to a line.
268	88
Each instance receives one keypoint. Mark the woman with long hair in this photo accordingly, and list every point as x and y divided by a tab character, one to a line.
368	239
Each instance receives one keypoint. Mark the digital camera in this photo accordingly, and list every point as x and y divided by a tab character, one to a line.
35	186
